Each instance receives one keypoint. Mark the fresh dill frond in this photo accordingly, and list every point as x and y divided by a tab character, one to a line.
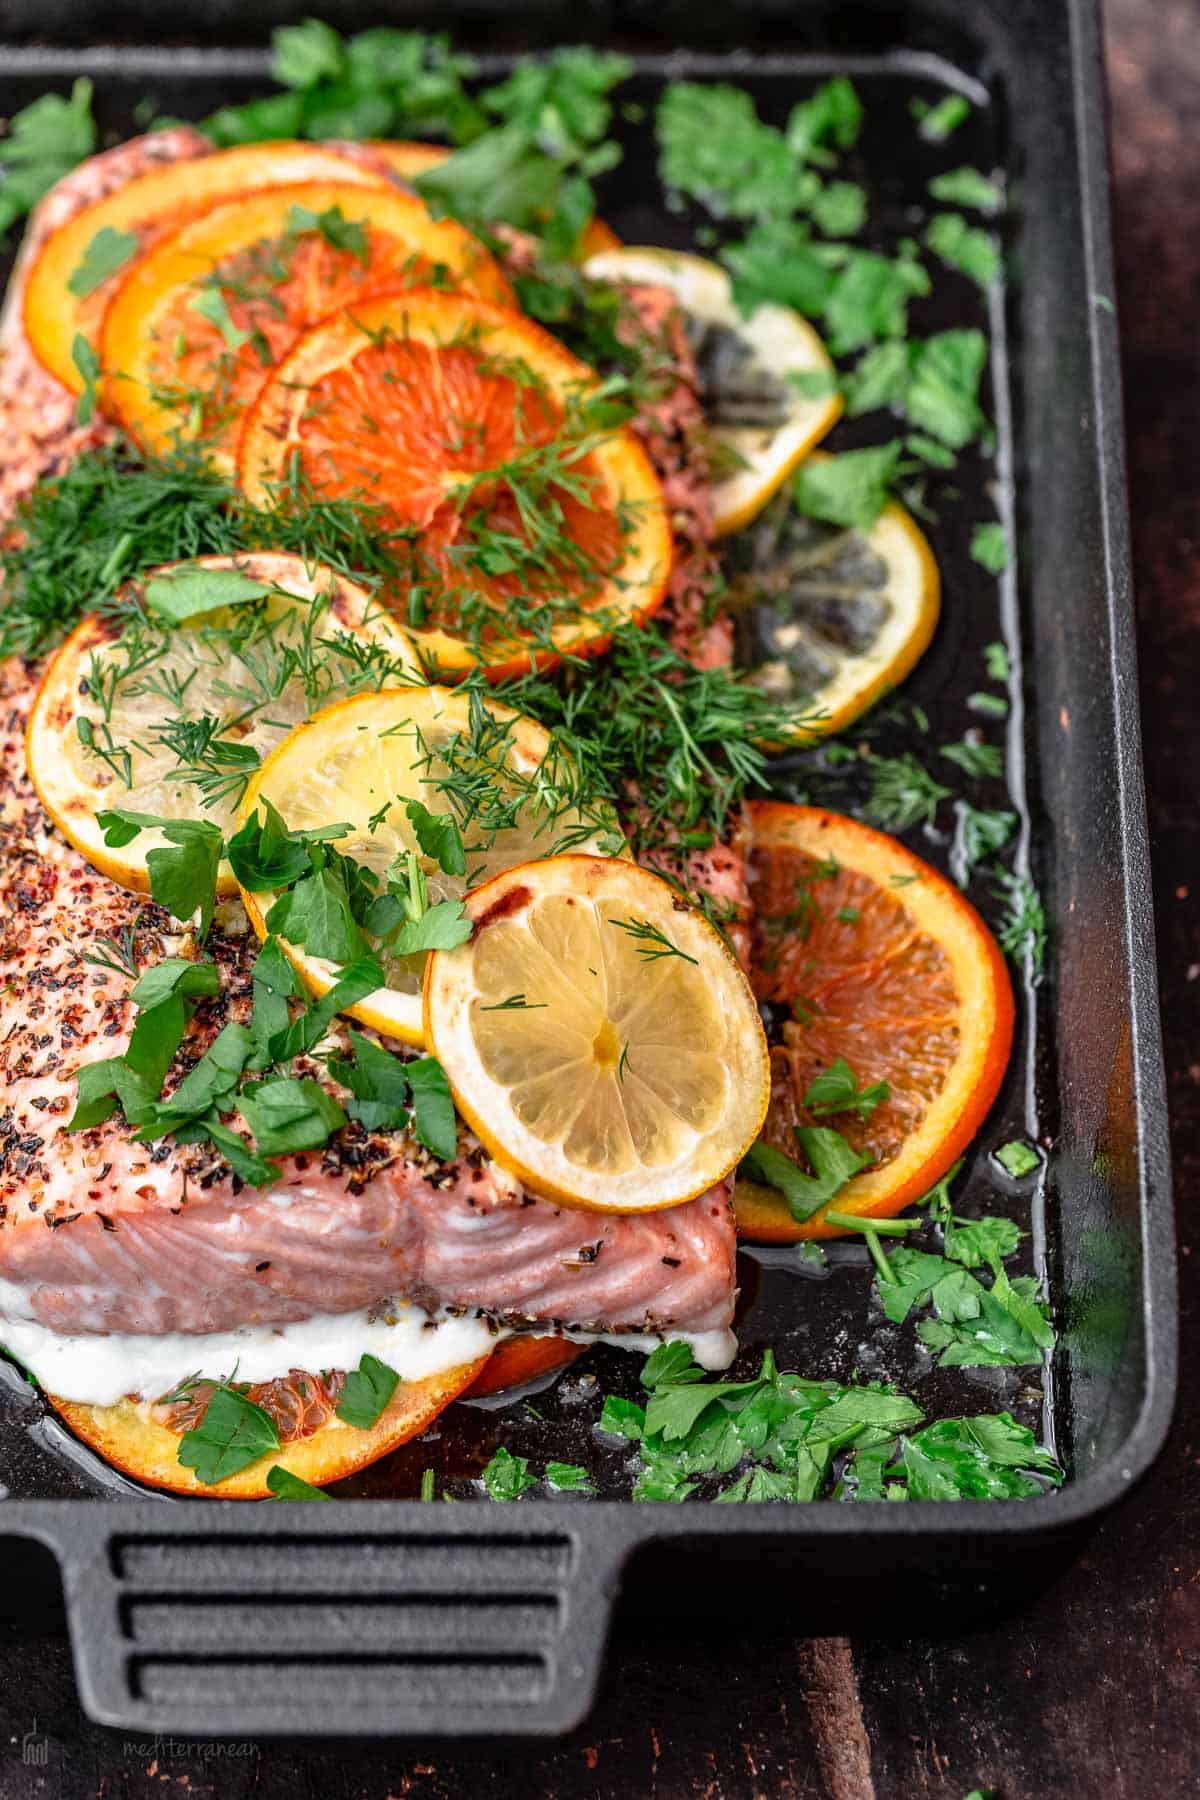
1023	932
651	941
903	793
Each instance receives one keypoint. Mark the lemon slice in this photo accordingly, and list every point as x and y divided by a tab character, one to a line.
756	413
171	715
829	616
598	1036
498	774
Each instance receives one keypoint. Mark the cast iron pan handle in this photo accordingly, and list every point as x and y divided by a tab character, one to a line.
380	1620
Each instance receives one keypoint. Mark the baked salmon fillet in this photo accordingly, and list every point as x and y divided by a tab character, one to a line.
100	1234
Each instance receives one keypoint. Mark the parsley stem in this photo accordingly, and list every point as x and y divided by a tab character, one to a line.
878	1254
876	1227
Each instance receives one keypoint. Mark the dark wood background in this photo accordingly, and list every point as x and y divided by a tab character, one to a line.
1095	1690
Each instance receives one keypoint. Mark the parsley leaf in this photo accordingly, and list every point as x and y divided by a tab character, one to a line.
441	927
938	122
283	1485
174	975
507	1476
339	232
290	1115
183	872
185	592
967	187
45	141
569	1478
434	1123
990	1457
233	1433
108	251
212	306
836	1090
88	364
274	982
942	396
439	837
989	546
847	489
832	117
833	1160
778	260
266	856
316	916
869	299
622	1418
1017	1159
366	1392
967	248
307	53
355	981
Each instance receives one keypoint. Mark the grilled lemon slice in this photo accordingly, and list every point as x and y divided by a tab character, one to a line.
829	616
494	771
598	1035
171	715
758	414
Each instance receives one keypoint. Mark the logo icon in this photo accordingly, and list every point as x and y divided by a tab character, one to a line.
35	1748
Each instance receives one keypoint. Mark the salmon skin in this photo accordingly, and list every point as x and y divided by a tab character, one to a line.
99	1234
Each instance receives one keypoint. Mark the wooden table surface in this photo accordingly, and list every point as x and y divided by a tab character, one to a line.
1095	1689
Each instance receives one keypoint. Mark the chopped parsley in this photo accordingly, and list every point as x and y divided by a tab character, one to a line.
1017	1159
233	1433
989	546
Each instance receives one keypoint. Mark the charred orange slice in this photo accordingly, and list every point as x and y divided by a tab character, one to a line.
863	952
80	266
523	521
198	323
407	160
139	1438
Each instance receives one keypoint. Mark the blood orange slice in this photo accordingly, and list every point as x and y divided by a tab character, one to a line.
864	952
68	290
524	522
198	323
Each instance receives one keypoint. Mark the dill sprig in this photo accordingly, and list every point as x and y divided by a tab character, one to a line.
110	517
651	941
673	746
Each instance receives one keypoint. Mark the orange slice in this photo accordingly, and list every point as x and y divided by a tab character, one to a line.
159	201
407	159
523	523
867	953
264	269
519	1360
132	1439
